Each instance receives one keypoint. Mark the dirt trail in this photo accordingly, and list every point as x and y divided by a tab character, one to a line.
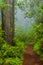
30	58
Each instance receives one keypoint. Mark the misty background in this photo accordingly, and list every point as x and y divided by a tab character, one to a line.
20	21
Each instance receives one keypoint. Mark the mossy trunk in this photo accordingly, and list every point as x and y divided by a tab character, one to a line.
8	21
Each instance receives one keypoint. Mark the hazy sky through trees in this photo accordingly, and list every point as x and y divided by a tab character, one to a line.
21	21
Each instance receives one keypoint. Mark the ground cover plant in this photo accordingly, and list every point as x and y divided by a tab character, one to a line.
11	54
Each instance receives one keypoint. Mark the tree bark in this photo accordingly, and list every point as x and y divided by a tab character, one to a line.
8	21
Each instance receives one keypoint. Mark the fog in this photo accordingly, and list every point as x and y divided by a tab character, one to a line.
20	21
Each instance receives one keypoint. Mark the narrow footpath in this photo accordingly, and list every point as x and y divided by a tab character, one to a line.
30	58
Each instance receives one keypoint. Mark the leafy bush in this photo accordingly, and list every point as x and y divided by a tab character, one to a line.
11	55
12	51
36	38
12	61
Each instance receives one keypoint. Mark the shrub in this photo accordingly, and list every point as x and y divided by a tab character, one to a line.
36	38
11	55
12	61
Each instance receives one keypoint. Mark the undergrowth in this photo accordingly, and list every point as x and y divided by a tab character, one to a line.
33	36
11	55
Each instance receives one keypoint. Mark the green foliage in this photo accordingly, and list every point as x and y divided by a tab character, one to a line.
1	61
36	38
1	39
13	61
11	55
11	51
3	4
32	8
37	48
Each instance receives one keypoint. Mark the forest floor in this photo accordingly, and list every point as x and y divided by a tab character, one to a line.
30	58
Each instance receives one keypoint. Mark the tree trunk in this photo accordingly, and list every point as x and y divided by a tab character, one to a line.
8	21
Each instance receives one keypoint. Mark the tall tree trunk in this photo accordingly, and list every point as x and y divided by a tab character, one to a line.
8	21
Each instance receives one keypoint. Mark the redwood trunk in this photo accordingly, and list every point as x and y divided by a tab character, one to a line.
8	21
